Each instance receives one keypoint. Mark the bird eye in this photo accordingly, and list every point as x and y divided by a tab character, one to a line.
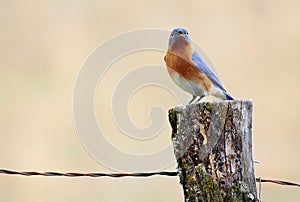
187	33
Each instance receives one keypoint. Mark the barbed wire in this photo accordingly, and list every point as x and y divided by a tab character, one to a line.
119	175
75	174
280	182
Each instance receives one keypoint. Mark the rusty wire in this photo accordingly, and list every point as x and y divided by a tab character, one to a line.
119	175
75	174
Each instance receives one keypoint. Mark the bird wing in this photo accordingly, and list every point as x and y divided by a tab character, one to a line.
202	66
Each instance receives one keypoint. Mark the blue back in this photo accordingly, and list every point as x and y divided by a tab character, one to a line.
202	66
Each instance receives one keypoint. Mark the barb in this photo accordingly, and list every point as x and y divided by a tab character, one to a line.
119	175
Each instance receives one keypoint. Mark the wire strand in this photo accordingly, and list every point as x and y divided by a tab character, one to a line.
119	175
75	174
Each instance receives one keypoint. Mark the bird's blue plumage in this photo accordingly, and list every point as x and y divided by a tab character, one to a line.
202	66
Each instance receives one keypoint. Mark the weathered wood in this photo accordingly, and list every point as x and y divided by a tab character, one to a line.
213	147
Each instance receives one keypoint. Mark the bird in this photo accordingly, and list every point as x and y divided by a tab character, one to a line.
189	71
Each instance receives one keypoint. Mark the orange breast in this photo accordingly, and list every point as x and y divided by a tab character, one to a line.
186	69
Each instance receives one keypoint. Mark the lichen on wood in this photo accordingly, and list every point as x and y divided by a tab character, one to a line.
213	146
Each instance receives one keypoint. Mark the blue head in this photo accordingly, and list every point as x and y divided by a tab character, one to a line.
178	33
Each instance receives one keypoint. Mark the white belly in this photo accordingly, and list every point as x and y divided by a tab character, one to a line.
191	87
194	88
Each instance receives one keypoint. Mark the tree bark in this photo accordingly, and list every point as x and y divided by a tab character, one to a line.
213	146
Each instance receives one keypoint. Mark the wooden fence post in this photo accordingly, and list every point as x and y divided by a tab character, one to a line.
213	146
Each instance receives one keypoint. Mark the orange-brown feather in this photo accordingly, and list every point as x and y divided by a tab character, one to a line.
180	62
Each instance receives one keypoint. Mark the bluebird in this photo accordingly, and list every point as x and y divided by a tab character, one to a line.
189	71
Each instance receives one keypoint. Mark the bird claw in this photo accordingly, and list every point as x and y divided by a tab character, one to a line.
194	100
191	101
200	98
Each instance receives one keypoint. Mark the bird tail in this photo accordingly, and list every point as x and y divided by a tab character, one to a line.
228	97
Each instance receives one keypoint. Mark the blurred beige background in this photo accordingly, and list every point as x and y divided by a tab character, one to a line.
255	45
